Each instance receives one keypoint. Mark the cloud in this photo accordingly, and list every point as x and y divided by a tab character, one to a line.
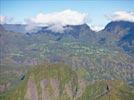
56	28
5	19
58	19
66	17
121	15
96	28
2	19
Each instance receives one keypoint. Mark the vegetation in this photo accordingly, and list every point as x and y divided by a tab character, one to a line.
78	64
61	82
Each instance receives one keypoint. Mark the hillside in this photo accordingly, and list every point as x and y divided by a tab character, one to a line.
76	64
60	82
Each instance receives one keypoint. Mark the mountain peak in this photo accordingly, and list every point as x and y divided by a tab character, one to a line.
1	28
114	26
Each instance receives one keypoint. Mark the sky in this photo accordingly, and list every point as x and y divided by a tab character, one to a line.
97	13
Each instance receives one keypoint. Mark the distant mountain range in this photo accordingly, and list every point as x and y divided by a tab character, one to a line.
116	33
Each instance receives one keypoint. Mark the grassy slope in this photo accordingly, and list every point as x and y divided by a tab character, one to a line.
118	91
69	85
38	73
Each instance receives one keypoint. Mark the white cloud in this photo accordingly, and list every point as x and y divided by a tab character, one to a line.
5	19
58	19
66	17
121	15
96	27
2	19
56	28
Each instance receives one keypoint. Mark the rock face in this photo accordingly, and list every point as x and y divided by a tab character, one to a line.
44	95
32	93
4	87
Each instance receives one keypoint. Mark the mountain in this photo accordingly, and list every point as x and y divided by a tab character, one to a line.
1	28
119	28
124	31
20	28
73	64
80	32
120	34
127	42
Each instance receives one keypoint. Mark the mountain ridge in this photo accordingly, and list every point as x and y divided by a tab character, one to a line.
77	64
